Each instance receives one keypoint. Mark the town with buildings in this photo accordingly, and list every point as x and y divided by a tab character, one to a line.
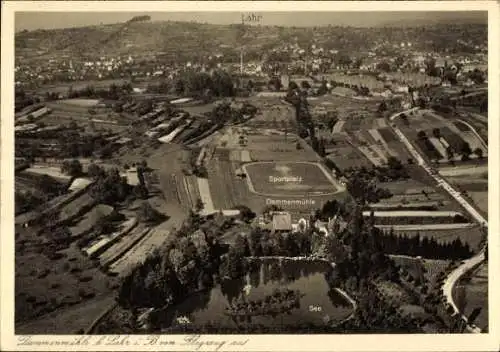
193	177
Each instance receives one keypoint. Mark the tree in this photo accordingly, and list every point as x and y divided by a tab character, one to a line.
450	153
111	188
140	191
421	135
436	133
292	86
199	206
384	66
275	82
147	214
342	59
399	61
95	171
223	85
246	214
478	152
72	168
465	151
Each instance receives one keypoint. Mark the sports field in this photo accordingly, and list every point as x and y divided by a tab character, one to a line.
289	179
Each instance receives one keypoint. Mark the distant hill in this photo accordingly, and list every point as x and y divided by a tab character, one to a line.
190	40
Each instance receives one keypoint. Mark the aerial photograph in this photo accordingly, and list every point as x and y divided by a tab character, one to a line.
251	173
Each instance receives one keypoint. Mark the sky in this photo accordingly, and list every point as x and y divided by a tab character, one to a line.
50	20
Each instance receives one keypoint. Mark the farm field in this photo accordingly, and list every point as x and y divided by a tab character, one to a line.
298	178
71	320
90	219
76	207
479	125
476	187
429	268
408	187
472	292
64	111
344	155
271	148
86	103
227	190
152	240
78	85
477	170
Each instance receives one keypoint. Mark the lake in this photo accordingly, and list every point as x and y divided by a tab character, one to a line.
249	304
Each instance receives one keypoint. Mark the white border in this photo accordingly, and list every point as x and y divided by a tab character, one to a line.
483	342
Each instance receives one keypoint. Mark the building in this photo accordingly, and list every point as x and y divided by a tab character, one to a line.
285	81
282	222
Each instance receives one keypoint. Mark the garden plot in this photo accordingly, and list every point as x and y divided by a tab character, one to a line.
347	156
380	140
372	155
371	151
428	148
431	118
474	143
380	123
452	138
387	135
438	145
407	187
461	126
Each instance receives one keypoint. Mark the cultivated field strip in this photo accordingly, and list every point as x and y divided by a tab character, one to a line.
120	248
205	195
170	187
379	139
192	189
105	241
337	128
474	142
183	191
140	250
439	146
230	191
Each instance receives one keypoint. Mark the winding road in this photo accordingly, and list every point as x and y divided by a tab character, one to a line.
467	264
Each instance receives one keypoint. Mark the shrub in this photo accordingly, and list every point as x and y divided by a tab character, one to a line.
75	270
85	278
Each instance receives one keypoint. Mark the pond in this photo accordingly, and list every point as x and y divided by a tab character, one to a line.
275	296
